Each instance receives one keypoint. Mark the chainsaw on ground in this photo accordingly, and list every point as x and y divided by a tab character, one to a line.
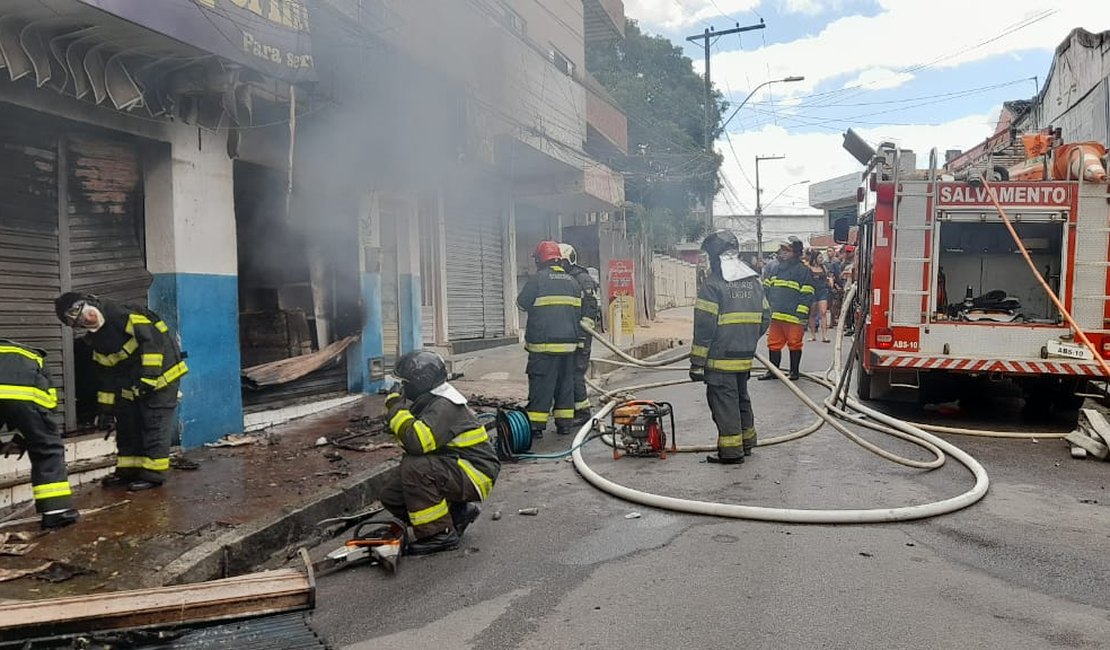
379	538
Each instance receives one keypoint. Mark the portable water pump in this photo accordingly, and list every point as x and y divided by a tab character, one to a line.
639	425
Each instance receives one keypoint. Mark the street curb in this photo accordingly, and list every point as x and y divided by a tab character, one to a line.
244	548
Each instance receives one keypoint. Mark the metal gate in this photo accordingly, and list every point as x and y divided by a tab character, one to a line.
475	277
390	209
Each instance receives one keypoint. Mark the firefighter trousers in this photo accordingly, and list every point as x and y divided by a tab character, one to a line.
551	383
423	491
731	406
144	431
49	481
581	367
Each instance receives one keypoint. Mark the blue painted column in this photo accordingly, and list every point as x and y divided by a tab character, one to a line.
408	274
370	346
191	251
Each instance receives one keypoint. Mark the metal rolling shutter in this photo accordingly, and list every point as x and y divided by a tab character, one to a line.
30	260
106	239
475	280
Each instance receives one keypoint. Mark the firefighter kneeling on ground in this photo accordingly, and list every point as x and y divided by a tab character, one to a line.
26	398
449	462
140	366
790	292
553	300
730	316
591	315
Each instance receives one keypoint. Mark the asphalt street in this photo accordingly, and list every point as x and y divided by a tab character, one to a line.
1027	567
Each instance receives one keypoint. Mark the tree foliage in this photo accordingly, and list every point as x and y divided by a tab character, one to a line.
667	170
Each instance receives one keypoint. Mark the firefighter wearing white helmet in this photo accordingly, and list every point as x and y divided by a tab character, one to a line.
591	315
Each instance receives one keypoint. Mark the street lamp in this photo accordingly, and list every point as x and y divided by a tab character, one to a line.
784	191
790	79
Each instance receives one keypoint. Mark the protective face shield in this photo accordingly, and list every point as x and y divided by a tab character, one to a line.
733	268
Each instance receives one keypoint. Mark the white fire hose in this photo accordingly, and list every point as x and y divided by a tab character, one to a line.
881	422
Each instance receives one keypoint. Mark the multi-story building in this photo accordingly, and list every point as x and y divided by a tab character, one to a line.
339	181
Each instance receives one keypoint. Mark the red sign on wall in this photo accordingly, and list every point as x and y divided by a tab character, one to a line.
620	278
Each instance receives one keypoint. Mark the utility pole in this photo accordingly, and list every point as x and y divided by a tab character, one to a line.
759	205
704	38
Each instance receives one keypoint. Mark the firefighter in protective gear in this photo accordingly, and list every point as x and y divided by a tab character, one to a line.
730	316
140	367
591	315
449	462
553	300
26	399
790	291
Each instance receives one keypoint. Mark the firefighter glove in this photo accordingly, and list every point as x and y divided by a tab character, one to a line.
105	422
17	445
587	323
394	397
697	374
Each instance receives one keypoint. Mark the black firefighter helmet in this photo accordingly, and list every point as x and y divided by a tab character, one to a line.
719	242
421	371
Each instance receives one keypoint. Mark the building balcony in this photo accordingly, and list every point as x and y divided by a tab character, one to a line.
604	20
596	188
606	123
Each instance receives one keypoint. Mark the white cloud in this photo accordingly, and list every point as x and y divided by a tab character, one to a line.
810	7
906	35
672	14
819	156
880	79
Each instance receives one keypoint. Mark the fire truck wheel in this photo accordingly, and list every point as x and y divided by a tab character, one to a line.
863	381
1066	398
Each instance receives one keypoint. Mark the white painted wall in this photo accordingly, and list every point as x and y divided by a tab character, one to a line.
676	282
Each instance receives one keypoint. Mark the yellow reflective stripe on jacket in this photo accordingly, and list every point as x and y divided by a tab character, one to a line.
428	515
166	378
740	318
115	358
551	348
153	359
48	399
807	288
786	318
730	365
789	284
135	319
481	482
162	327
557	301
11	349
400	419
803	309
537	417
52	490
105	398
700	351
425	435
730	441
469	438
706	305
564	414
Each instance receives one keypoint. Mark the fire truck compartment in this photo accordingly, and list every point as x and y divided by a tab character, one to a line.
982	277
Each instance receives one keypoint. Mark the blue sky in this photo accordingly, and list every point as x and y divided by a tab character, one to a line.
924	73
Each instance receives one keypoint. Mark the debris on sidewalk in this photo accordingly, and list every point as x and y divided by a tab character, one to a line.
60	572
84	513
234	440
16	550
632	515
182	463
531	512
15	574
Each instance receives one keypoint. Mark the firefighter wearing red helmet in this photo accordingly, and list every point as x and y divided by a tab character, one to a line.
552	299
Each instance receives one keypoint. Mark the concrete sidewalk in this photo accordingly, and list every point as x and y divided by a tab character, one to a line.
244	505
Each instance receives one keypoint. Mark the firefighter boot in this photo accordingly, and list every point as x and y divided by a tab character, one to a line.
463	514
795	364
775	357
447	540
717	460
749	441
59	518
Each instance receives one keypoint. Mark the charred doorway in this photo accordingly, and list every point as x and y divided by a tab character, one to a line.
298	290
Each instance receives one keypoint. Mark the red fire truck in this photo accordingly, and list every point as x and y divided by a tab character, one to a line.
945	295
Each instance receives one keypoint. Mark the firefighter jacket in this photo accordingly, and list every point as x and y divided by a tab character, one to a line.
434	424
23	377
729	319
591	309
135	352
790	292
553	300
